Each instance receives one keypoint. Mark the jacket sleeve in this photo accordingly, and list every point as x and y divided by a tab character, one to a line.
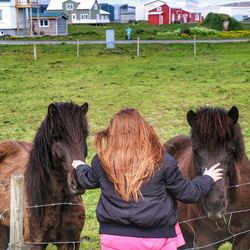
188	191
86	175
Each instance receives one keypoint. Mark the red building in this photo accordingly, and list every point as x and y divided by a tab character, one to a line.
164	14
159	15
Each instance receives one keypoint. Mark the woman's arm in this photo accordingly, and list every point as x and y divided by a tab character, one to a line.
190	190
85	174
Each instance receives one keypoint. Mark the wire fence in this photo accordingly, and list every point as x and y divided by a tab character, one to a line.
187	222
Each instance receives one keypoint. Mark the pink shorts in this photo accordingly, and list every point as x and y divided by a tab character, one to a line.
114	242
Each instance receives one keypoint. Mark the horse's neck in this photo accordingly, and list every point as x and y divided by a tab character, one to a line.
240	183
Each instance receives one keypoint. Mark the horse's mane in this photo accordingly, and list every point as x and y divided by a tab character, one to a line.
68	122
213	126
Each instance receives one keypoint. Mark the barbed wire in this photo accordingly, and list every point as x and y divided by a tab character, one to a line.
219	241
238	185
94	204
17	243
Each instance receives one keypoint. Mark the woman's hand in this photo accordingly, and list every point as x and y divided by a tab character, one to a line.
76	163
214	172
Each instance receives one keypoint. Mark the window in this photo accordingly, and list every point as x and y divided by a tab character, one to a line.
44	23
159	9
197	17
73	16
95	6
1	15
84	16
69	6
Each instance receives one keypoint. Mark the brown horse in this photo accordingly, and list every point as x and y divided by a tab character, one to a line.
224	213
49	179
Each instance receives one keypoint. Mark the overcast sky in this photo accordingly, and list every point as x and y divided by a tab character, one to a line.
217	2
201	2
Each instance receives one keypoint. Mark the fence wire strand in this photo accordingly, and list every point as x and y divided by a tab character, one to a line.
187	222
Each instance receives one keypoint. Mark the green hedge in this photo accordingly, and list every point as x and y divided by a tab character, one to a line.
215	21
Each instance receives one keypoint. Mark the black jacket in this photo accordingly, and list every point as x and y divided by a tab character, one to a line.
155	215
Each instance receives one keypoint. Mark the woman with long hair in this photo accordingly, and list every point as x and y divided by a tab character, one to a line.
139	184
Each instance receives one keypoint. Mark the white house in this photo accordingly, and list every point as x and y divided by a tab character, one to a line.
15	19
80	11
239	10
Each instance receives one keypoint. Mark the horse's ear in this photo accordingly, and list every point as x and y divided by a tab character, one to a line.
85	108
233	113
52	110
191	116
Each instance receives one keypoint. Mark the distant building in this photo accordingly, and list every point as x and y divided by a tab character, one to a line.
127	13
239	10
14	17
145	6
110	9
166	14
124	13
143	9
51	23
43	5
80	11
246	20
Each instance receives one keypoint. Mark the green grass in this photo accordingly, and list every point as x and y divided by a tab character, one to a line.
163	84
139	29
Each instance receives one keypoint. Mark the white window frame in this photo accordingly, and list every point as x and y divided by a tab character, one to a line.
84	16
69	6
159	9
1	15
95	6
73	16
43	24
197	17
173	17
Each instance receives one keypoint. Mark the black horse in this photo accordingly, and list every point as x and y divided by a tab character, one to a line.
215	137
49	178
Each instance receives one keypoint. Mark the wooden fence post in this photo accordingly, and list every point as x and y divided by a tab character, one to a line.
35	53
138	46
194	45
77	48
16	212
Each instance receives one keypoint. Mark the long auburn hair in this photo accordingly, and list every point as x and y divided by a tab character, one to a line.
130	151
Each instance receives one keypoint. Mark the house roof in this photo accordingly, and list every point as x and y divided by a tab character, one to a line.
83	4
54	15
158	1
170	3
86	4
55	5
155	13
103	12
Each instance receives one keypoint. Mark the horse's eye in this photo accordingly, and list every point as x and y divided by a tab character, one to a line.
196	152
56	138
232	150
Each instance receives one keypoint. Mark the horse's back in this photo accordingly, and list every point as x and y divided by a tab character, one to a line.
180	147
13	159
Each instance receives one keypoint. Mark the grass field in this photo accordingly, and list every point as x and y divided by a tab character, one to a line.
163	84
139	29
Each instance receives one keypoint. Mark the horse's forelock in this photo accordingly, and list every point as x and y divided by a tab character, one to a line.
71	120
213	126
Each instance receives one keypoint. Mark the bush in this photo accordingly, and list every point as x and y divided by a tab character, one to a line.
215	21
203	31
